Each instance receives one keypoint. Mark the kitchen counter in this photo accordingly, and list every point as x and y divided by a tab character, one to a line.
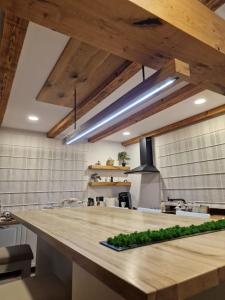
171	270
11	222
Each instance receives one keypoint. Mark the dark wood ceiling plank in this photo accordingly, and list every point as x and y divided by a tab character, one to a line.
114	81
209	114
213	4
78	65
13	34
152	109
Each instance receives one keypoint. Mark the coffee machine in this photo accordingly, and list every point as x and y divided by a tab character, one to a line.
125	197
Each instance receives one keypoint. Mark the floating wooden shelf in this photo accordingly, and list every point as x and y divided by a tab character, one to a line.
112	168
109	184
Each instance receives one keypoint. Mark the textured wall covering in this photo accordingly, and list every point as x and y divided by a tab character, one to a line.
35	171
192	162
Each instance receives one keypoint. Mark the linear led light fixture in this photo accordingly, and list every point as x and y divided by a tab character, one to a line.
173	73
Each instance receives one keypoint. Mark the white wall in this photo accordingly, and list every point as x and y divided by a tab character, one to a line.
145	189
192	162
35	170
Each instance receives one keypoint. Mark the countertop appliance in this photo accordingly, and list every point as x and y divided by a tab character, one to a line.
146	158
125	197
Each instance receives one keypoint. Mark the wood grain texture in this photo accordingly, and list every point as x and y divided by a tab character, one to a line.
103	184
12	38
109	84
81	67
171	270
140	31
213	4
104	89
206	115
111	168
152	109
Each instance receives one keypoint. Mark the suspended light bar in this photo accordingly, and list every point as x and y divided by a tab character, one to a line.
136	97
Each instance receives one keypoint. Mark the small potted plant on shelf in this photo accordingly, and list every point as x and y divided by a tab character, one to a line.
123	158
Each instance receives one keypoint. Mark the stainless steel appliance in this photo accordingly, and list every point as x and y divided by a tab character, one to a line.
125	197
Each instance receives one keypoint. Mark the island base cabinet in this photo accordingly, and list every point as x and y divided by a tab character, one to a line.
86	287
50	261
215	293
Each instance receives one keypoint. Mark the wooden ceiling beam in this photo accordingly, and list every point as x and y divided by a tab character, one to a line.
164	103
150	33
12	38
206	115
213	4
85	106
115	80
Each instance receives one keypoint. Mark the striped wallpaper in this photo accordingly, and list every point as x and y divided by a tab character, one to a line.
192	162
35	171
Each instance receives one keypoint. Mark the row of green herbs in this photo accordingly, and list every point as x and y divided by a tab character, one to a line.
151	236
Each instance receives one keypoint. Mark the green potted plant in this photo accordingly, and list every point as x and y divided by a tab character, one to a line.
123	158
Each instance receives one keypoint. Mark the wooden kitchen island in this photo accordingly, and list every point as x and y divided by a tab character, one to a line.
68	245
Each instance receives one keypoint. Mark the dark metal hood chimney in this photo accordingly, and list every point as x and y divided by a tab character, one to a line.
146	157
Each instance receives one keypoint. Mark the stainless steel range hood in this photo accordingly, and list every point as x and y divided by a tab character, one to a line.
146	158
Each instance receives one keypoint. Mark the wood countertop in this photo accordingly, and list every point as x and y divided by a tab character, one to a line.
167	271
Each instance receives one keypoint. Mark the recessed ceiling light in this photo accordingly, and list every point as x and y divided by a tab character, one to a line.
126	133
33	118
200	101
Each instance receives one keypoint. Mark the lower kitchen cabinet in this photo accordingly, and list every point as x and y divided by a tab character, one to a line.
18	234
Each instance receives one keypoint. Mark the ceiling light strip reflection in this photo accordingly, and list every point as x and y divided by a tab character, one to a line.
71	139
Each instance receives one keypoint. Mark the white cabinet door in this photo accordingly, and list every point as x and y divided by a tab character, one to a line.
10	235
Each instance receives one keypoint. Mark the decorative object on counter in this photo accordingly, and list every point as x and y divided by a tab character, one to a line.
110	162
72	202
122	241
110	201
95	177
123	158
98	163
91	202
7	215
125	197
111	179
6	218
100	201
